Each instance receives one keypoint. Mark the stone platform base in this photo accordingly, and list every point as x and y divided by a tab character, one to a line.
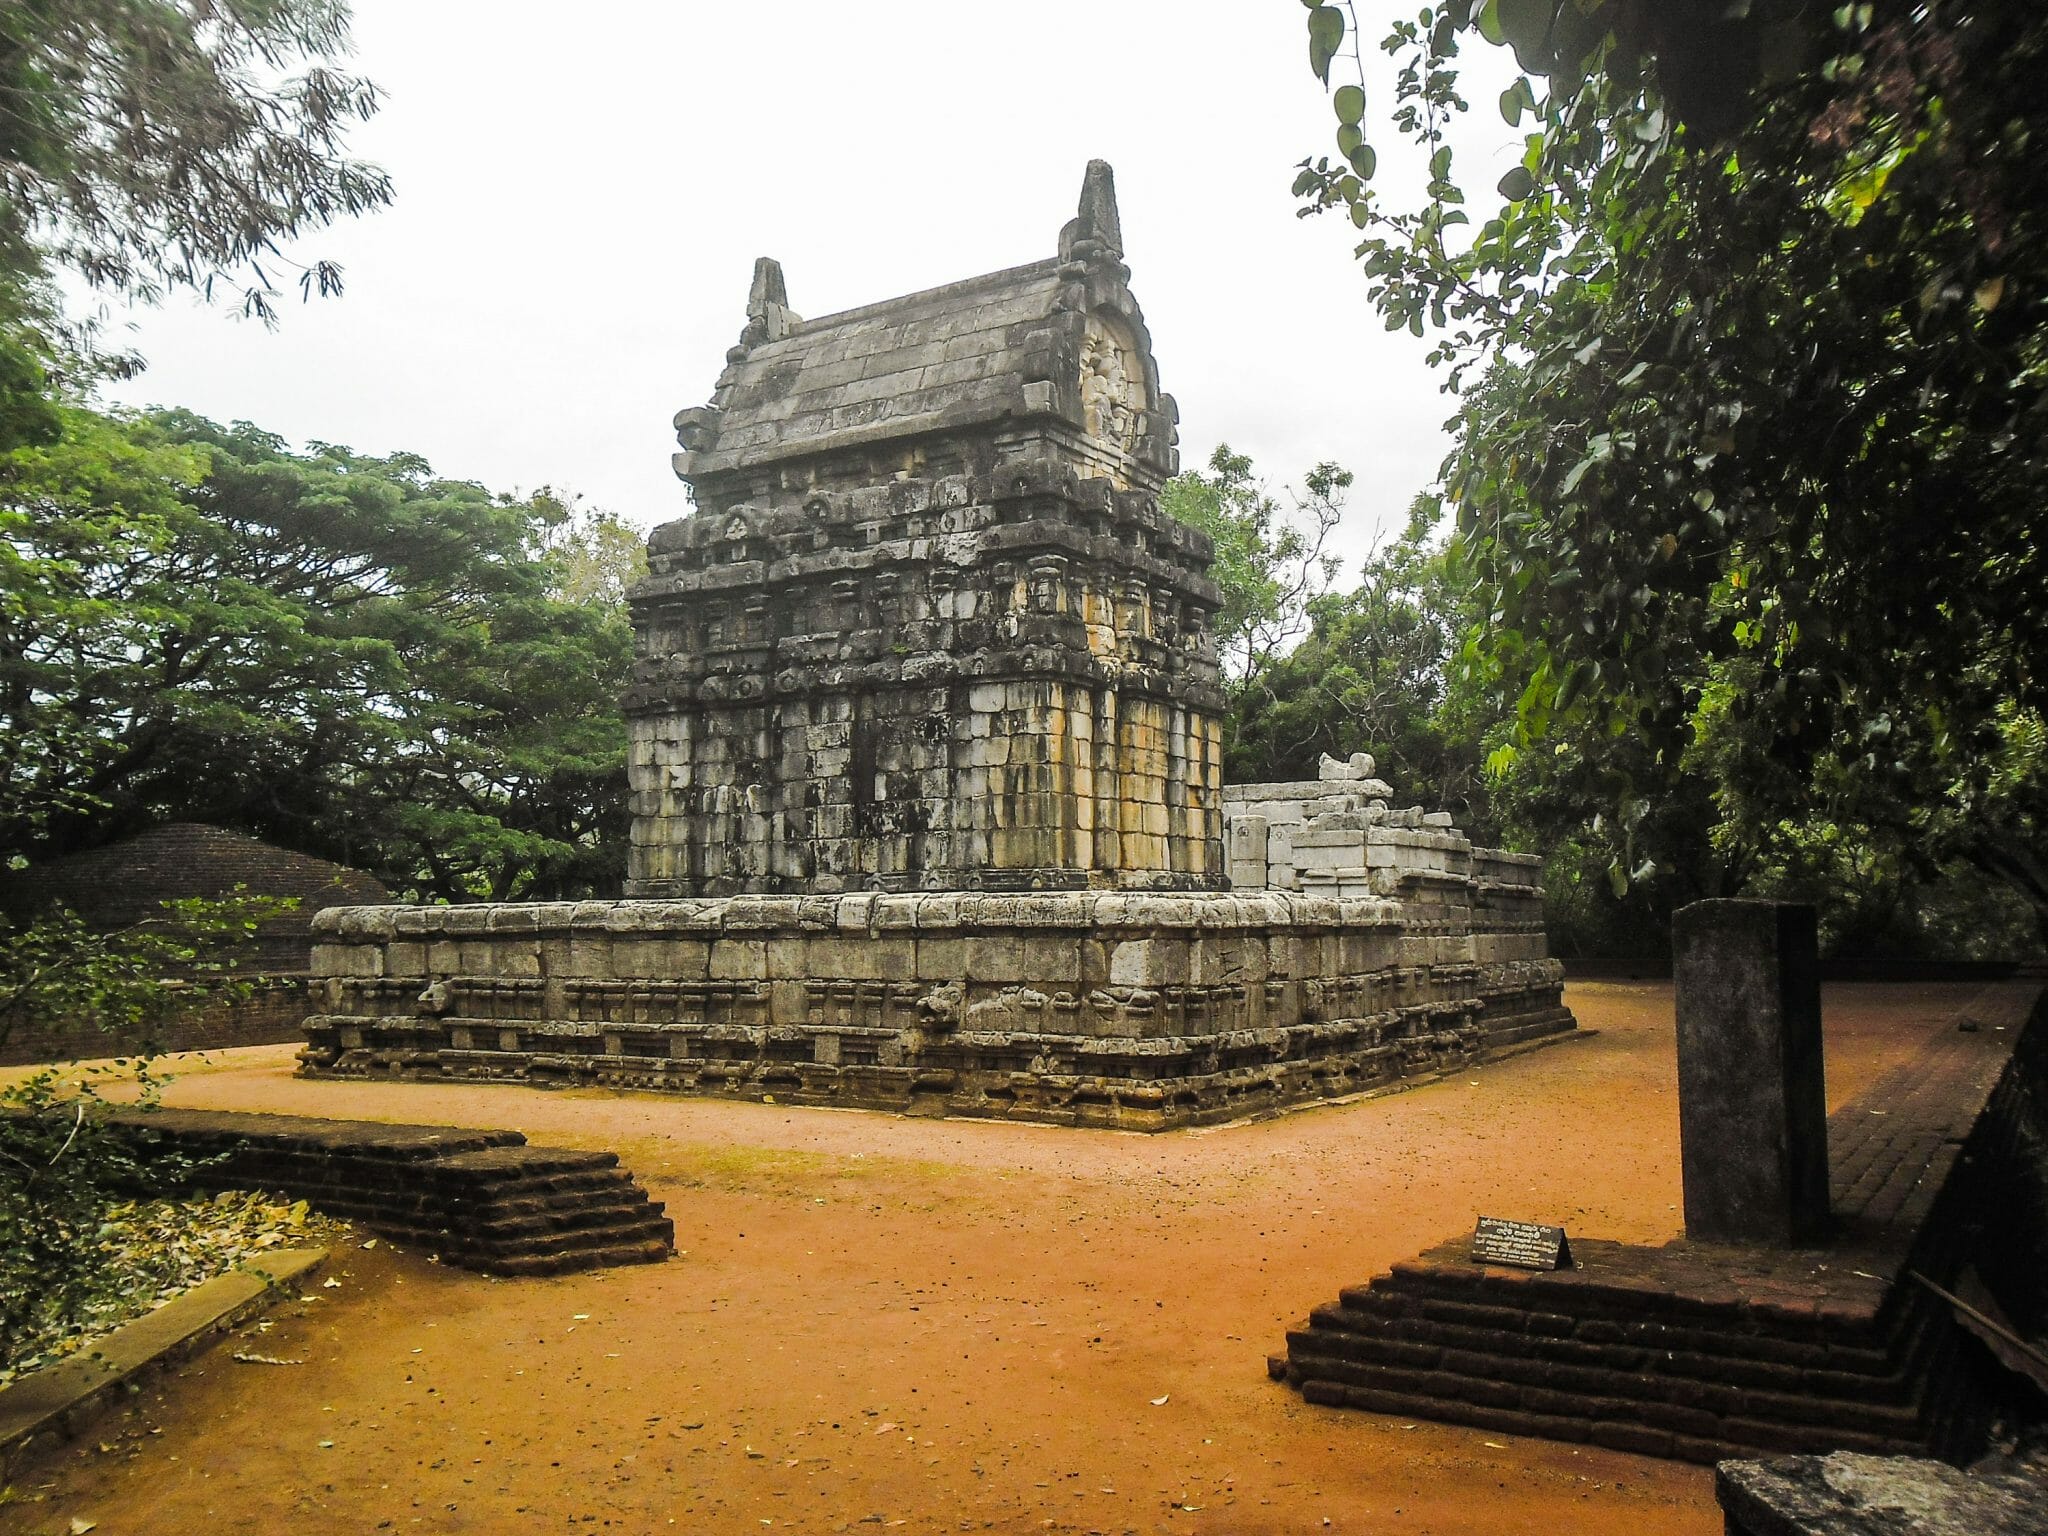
1703	1352
1135	1011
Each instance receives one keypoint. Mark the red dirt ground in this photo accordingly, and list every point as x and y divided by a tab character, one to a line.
931	1325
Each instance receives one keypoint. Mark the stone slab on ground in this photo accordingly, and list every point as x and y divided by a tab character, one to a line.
58	1401
1851	1495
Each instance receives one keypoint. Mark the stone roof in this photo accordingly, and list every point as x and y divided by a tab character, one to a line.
1008	345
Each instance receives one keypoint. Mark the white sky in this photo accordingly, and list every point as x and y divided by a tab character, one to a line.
581	193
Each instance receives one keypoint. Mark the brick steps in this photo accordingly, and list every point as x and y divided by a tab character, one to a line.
1705	1353
1691	1392
482	1200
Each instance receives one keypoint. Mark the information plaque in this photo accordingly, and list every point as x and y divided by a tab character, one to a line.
1523	1244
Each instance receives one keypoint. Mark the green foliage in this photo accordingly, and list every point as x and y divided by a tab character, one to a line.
150	145
56	972
162	632
1270	565
128	1255
339	653
1752	485
1371	675
597	555
63	1168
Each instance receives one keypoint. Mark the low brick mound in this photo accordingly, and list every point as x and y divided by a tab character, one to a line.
1700	1352
480	1199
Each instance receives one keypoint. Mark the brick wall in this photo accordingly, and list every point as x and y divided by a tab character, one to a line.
273	1014
126	883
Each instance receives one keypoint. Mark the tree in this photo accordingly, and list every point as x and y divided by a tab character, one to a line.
1759	498
343	654
152	145
1371	675
598	555
1270	564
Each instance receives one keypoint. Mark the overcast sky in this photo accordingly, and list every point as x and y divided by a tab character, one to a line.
582	191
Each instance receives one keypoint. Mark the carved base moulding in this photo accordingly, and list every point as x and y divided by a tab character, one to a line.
1135	1011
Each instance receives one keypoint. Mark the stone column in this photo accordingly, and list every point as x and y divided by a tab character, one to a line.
1752	1110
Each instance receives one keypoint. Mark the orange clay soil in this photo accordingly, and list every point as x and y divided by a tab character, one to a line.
932	1325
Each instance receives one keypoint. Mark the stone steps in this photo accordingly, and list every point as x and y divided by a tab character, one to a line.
479	1200
1706	1352
647	1251
1698	1390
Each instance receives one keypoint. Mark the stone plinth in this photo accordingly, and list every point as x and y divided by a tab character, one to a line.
1751	1101
1704	1351
1137	1011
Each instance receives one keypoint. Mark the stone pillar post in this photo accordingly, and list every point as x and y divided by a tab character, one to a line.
1752	1109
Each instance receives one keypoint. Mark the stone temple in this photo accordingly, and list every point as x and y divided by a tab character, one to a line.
928	810
928	629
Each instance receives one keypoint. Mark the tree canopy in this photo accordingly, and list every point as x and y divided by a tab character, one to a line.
148	146
1750	466
344	654
1270	561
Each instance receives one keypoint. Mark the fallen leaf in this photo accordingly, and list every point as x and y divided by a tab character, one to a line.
1160	1402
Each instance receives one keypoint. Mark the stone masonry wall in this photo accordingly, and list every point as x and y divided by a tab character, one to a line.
928	628
274	1013
998	680
1335	835
1140	1011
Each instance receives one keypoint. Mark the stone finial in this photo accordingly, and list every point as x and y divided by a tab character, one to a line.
769	317
1359	765
1095	230
768	288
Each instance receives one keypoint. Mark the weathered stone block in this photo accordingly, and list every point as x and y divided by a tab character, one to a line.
347	960
739	960
1751	1100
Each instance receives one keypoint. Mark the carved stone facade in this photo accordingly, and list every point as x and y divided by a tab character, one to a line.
1085	1008
927	628
926	772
